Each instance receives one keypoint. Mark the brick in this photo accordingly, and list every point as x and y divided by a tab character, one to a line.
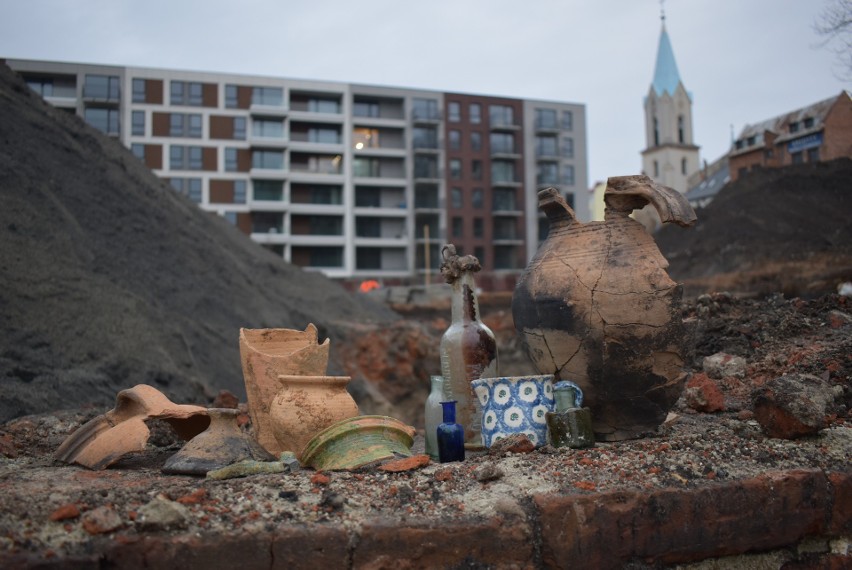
246	551
682	525
841	499
471	543
310	547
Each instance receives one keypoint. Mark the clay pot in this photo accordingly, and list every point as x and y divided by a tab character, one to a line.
304	406
220	445
269	353
359	441
596	306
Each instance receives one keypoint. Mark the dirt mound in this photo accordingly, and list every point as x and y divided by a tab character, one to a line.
108	278
776	230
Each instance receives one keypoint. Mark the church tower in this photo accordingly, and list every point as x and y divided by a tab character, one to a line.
670	154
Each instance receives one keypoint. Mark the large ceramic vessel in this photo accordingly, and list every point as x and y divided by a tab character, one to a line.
515	404
596	306
306	405
269	353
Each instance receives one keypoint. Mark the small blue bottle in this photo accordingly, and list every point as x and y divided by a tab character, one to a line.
450	435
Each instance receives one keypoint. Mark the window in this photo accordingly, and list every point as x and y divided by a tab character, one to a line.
502	171
567	147
240	128
458	226
475	111
683	166
425	137
139	94
455	169
545	119
680	129
656	168
454	139
318	105
476	169
479	253
425	167
476	198
185	93
478	226
501	115
270	96
268	189
425	109
568	174
185	125
502	143
808	123
324	135
475	140
366	109
567	120
504	199
239	191
267	128
105	120
456	198
101	87
813	154
185	157
190	187
137	119
230	159
231	99
656	132
454	111
230	217
267	159
545	145
794	127
42	86
751	141
138	150
548	173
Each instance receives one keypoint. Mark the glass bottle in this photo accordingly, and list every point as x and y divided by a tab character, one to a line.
434	415
570	425
468	347
450	435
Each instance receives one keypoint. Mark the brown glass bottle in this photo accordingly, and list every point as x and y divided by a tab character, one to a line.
468	347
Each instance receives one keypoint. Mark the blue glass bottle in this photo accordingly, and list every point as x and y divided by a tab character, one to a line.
450	435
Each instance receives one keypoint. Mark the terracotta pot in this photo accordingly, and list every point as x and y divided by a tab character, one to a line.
359	441
596	306
220	445
304	406
269	353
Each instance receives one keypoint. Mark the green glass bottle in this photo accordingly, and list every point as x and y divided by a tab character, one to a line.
570	425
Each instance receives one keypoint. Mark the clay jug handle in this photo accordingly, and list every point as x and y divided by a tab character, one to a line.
627	193
554	206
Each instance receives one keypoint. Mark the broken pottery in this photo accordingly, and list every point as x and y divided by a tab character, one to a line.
103	440
514	404
468	347
358	441
304	406
268	353
220	445
595	304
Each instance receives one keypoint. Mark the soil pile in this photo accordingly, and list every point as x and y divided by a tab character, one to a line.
108	278
776	230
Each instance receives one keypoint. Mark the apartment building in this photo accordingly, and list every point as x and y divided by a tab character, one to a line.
356	181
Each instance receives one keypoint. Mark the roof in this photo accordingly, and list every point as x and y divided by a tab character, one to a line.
718	176
666	76
780	124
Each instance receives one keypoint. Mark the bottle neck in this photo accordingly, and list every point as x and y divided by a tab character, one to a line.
566	399
449	412
437	383
465	307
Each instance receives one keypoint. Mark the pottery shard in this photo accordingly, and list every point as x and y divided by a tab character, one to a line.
722	365
101	520
792	406
405	464
703	394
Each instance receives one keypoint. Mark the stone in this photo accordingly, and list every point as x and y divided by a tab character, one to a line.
793	405
487	472
163	514
721	365
246	468
838	319
101	520
703	394
65	512
406	464
515	443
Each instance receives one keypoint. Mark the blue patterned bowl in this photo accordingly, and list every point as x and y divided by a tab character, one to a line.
515	404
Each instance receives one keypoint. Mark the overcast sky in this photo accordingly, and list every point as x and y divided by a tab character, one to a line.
742	60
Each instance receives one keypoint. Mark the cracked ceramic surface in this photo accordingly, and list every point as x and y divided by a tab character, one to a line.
107	438
596	306
268	353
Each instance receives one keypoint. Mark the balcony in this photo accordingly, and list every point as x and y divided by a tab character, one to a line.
427	197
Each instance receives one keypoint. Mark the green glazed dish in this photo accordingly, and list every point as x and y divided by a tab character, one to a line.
355	442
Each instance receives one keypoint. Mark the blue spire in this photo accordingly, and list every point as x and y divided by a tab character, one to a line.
666	76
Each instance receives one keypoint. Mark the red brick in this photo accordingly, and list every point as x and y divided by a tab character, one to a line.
471	543
310	547
68	511
682	525
841	495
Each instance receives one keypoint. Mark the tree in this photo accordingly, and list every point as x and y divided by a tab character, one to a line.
835	25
